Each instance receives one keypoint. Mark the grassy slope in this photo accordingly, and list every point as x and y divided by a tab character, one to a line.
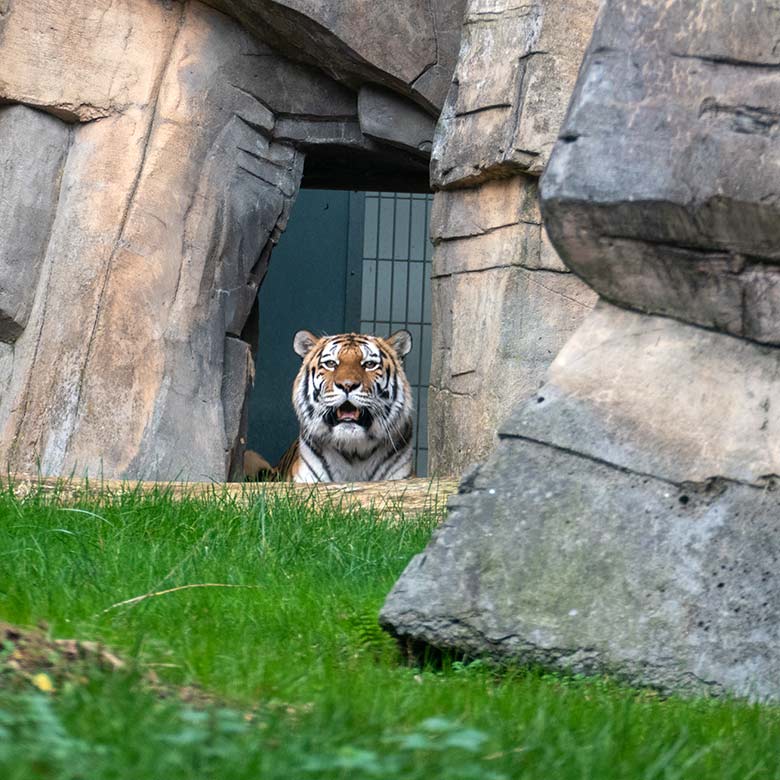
314	689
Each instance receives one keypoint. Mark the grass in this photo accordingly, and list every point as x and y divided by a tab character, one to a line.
297	681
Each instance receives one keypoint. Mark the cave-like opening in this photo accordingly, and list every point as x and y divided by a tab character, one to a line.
348	261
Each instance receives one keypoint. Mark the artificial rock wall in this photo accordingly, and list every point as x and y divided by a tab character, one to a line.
503	301
149	156
628	521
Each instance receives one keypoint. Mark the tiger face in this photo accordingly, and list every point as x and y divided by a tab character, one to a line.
351	393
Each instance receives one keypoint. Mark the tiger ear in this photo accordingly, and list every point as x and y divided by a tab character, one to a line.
303	342
401	342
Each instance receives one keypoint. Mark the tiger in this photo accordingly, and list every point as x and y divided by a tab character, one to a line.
355	408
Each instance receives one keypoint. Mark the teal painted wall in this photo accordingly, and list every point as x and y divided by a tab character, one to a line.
307	286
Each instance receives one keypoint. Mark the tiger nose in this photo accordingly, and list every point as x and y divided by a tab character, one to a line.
347	385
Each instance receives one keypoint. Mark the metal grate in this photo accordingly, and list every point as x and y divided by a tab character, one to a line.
396	289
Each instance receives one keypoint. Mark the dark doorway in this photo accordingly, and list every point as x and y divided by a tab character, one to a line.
348	261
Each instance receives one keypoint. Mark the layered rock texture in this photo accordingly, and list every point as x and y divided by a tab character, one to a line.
149	156
698	241
629	519
504	303
409	46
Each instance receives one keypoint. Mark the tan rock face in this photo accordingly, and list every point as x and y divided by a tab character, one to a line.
498	331
493	226
152	258
33	148
51	60
506	303
512	82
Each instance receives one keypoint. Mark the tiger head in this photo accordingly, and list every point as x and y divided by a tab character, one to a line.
351	391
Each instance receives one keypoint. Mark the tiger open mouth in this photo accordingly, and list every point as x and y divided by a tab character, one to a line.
348	413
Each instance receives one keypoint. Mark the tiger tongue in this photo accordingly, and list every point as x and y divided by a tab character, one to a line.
347	413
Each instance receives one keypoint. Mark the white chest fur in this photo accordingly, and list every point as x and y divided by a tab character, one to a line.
330	465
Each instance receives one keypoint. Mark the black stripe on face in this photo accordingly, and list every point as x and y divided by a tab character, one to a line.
384	358
331	350
384	390
309	408
391	387
384	372
313	384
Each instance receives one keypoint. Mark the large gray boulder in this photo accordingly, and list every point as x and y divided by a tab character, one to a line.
629	520
554	559
682	114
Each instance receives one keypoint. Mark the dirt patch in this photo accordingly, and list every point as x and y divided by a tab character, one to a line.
30	659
